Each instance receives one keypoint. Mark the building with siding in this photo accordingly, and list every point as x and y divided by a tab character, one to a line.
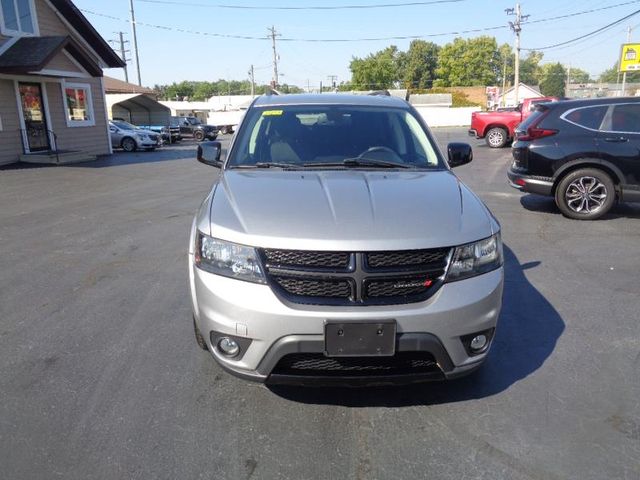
52	101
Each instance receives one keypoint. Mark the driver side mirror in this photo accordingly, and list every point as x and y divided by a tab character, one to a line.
209	153
459	154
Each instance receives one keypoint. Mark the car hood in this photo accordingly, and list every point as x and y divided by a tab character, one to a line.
346	210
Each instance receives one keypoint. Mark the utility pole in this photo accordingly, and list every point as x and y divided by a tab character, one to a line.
274	34
624	74
135	41
516	26
253	82
566	90
332	79
123	55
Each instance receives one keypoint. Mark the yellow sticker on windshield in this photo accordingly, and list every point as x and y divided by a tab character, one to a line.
272	113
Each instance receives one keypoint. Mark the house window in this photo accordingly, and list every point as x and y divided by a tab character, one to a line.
79	105
17	16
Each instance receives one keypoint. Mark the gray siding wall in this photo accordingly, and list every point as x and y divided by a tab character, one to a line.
92	140
10	137
62	62
50	24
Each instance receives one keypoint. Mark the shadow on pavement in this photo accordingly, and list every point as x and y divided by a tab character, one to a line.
123	158
528	330
542	204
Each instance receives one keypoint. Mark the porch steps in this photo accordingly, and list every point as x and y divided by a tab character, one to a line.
64	157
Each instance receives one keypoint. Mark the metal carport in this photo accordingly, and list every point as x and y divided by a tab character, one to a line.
137	109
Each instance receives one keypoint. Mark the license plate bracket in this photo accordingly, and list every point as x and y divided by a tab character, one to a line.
359	339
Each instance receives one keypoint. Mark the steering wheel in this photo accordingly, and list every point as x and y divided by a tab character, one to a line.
381	153
378	148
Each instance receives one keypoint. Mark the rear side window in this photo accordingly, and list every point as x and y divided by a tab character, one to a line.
588	117
626	118
533	118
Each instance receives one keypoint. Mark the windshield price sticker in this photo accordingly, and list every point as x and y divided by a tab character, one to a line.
272	113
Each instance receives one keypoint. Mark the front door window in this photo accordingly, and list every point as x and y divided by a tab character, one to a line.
35	122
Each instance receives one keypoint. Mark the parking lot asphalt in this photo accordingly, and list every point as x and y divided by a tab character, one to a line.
100	376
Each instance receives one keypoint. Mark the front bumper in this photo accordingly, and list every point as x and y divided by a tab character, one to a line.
530	183
272	329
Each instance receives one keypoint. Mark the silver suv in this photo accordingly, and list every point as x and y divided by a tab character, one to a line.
337	246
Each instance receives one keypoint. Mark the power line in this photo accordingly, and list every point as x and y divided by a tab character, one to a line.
590	34
346	40
314	7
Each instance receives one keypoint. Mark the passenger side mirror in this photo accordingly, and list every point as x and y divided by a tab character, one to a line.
459	154
209	153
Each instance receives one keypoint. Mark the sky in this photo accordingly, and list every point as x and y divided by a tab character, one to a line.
193	39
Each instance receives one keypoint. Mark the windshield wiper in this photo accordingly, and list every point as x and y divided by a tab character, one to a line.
285	166
361	162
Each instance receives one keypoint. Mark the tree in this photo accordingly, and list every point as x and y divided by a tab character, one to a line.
418	65
553	80
377	71
530	70
469	62
611	76
576	75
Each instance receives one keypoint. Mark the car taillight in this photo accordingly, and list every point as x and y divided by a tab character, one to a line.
534	133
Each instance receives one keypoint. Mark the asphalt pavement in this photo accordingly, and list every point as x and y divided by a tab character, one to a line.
100	376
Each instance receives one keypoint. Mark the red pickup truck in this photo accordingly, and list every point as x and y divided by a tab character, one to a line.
497	127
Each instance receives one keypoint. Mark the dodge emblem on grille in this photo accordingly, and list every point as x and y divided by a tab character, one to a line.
427	283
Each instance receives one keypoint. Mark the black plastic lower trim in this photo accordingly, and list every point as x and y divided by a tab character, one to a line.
532	184
323	381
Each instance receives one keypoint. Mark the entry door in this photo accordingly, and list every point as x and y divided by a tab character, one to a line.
35	119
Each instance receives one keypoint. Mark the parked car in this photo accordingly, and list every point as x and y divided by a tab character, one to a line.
584	153
131	138
170	133
360	259
193	127
497	127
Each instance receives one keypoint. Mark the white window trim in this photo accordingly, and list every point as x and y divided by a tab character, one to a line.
89	99
17	33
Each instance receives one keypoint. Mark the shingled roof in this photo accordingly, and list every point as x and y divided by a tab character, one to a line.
79	22
32	54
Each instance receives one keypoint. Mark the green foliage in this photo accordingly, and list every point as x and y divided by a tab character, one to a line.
377	71
201	91
530	69
577	75
611	76
469	62
553	79
418	65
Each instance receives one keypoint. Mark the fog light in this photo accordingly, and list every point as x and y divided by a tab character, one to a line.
228	346
478	342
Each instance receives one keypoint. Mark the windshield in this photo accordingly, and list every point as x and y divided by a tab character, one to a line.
325	136
124	125
194	121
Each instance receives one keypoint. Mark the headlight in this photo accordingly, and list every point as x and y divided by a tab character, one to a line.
228	259
475	258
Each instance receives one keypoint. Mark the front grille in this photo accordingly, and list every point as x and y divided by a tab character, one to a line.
301	258
154	138
305	287
354	279
408	258
318	365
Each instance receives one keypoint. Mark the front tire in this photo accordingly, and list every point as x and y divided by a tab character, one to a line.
129	144
585	194
496	137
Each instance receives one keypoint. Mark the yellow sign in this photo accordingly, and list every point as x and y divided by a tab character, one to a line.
272	113
630	57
